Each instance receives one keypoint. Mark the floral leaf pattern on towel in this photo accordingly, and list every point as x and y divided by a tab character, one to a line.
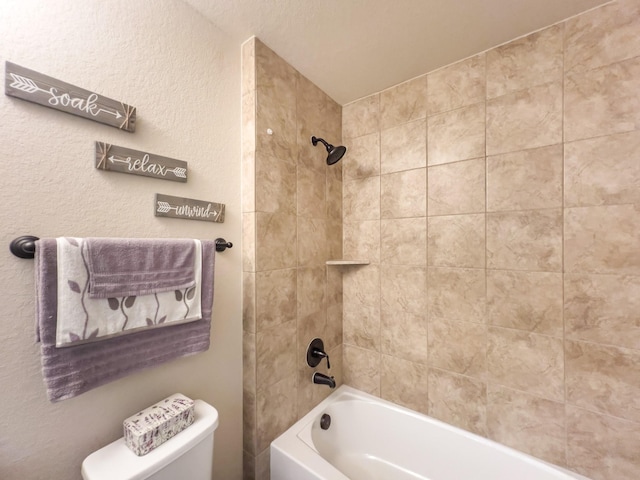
150	322
157	306
129	301
123	313
126	302
74	286
115	304
183	297
190	293
154	320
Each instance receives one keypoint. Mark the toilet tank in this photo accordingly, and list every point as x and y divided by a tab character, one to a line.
187	456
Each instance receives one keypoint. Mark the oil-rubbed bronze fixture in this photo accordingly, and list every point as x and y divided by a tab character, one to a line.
322	379
315	353
25	246
222	244
335	153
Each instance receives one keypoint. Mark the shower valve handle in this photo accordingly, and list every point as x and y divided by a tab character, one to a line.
315	353
321	354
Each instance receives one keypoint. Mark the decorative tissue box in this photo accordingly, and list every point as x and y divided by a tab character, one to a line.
156	424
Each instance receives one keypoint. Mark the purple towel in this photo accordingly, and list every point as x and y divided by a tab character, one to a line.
70	371
121	267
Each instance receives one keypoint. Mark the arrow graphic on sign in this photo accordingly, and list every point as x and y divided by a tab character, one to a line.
32	86
117	114
188	208
179	172
113	159
164	207
25	84
139	164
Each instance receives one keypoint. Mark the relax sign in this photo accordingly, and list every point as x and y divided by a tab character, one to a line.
126	160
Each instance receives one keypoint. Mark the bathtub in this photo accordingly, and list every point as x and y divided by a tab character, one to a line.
372	439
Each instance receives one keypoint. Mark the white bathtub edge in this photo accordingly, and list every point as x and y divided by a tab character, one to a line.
296	445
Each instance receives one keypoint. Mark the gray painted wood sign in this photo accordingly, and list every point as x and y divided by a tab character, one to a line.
180	207
35	87
126	160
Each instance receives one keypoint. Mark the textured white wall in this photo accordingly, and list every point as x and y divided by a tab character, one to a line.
183	75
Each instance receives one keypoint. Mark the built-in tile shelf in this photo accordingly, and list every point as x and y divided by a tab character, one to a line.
347	262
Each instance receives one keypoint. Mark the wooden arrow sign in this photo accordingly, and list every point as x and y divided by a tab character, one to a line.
35	87
180	207
127	160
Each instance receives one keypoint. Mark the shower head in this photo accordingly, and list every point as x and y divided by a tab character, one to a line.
335	153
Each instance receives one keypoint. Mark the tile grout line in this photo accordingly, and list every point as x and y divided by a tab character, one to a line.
254	432
486	209
427	316
296	346
379	220
562	249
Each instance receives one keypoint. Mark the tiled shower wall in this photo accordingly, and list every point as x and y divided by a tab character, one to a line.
498	200
292	224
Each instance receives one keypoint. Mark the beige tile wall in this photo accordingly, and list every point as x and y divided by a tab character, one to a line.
292	208
498	200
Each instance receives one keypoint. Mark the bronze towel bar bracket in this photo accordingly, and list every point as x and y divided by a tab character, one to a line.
222	244
25	246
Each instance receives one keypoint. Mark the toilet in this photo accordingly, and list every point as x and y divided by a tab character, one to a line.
187	456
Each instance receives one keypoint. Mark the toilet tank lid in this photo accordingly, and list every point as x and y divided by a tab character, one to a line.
116	460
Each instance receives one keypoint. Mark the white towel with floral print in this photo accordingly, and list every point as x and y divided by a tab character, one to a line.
82	319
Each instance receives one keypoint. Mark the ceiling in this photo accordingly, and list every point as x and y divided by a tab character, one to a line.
352	48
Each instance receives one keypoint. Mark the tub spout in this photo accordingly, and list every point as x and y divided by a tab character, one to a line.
322	379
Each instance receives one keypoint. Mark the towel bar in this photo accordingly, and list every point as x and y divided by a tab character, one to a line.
25	246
